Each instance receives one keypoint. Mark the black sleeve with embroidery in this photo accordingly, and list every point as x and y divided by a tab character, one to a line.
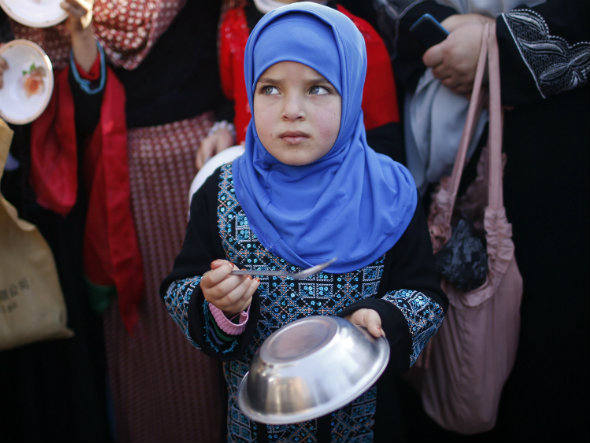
181	292
544	50
410	301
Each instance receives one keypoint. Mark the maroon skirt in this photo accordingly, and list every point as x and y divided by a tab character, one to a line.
164	390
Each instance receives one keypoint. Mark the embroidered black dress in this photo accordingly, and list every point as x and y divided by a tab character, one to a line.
402	286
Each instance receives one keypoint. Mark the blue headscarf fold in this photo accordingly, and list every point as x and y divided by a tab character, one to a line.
352	203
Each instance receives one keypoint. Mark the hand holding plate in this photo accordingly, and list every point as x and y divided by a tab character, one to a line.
83	41
79	14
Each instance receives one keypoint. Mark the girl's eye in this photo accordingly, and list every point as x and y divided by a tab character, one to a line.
319	90
268	90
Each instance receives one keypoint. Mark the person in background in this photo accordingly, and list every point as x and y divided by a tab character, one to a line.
53	390
545	69
307	188
380	107
118	142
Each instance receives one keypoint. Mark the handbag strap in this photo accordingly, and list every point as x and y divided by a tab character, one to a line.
495	187
489	53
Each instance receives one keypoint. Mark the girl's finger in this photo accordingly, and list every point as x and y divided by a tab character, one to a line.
246	299
254	283
234	296
219	262
215	276
219	274
228	284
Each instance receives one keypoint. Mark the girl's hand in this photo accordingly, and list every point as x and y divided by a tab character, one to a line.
78	23
369	319
230	293
213	144
454	60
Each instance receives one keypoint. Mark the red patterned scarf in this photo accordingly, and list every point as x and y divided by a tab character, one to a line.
127	30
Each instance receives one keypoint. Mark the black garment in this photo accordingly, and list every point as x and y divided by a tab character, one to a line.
408	265
544	62
548	206
186	54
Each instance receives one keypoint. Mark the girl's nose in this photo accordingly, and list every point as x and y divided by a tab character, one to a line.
293	108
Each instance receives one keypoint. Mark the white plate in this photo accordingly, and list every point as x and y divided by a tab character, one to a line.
15	106
35	13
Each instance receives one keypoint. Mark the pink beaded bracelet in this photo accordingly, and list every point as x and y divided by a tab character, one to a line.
225	324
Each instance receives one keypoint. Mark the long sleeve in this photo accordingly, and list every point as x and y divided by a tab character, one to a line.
410	301
544	50
181	292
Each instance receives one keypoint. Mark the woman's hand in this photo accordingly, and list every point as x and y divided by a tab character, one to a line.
369	319
230	293
213	144
78	23
454	60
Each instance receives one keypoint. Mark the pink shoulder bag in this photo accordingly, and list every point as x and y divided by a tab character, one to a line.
464	369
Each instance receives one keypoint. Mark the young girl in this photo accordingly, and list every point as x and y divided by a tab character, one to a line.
307	188
380	110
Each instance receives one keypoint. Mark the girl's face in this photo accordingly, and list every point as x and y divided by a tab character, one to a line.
297	113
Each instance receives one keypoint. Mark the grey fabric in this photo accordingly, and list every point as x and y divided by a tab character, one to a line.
433	123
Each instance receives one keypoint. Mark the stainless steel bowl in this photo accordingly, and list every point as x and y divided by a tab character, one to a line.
310	368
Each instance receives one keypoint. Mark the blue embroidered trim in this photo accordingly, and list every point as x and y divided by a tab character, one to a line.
423	315
177	300
86	85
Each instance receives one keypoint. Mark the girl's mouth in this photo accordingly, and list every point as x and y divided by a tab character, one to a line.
293	137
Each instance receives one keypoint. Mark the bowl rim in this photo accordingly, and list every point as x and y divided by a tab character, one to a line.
316	411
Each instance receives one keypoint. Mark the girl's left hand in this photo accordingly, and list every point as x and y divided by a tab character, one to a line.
368	319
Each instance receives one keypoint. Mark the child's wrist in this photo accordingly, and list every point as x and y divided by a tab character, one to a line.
227	322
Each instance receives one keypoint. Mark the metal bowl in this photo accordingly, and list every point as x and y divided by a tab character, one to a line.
310	368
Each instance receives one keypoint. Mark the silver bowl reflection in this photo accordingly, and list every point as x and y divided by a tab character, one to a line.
310	368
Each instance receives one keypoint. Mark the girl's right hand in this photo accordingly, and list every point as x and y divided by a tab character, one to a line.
230	293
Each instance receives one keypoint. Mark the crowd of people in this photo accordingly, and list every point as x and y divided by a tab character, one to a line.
347	123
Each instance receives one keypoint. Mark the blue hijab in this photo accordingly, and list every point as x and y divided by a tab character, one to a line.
352	203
